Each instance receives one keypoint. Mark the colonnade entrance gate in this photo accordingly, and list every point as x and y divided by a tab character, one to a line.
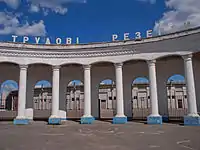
42	100
177	98
75	100
8	100
107	99
140	98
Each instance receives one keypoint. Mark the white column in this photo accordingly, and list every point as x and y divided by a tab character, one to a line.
119	90
153	87
189	77
87	91
22	92
55	92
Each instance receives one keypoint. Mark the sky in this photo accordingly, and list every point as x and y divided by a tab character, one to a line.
94	20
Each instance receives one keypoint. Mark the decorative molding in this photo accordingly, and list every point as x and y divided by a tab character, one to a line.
86	67
118	65
81	54
151	62
187	57
55	68
23	66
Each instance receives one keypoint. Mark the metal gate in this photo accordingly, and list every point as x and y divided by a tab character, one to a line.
141	105
8	106
42	103
107	103
74	103
177	105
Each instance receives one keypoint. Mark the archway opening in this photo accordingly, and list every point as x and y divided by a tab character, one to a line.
8	100
9	96
75	99
140	98
42	99
176	97
107	99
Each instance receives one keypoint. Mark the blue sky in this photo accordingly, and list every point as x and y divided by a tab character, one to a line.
94	20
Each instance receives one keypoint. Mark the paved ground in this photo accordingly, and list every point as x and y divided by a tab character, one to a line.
98	136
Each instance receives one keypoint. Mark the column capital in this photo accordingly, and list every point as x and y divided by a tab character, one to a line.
151	62
187	57
86	67
56	67
118	65
22	66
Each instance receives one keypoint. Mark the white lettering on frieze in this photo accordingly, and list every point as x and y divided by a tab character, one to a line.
37	40
114	37
68	40
58	41
48	41
14	38
149	33
25	39
45	40
136	35
126	36
77	40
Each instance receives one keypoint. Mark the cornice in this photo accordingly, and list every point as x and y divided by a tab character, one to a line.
88	50
52	47
81	54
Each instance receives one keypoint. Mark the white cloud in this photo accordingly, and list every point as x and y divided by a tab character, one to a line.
11	3
182	14
150	1
10	24
57	6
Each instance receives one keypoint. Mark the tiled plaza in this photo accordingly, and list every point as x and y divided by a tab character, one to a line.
98	136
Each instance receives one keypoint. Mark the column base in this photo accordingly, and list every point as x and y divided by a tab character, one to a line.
192	120
154	119
54	121
21	121
119	120
87	120
165	118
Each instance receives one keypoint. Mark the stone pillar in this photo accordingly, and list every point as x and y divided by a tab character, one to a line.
55	118
120	118
87	118
21	119
192	118
154	118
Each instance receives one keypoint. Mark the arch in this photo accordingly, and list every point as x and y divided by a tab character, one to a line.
75	82
74	104
167	56
128	61
140	80
107	99
9	62
176	97
176	77
140	98
102	62
9	96
106	82
70	63
43	83
42	99
39	63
